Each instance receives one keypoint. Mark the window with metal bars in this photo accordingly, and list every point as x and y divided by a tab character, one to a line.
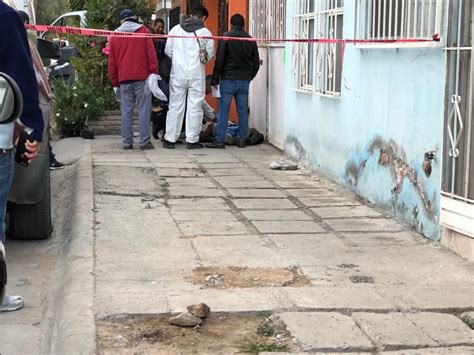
267	19
398	19
317	67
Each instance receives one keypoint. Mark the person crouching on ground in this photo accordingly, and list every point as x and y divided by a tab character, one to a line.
131	61
237	63
187	77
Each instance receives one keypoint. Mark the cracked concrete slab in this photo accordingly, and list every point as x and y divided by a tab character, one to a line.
276	215
198	204
264	203
315	332
203	228
365	225
203	216
322	201
346	211
275	227
242	251
258	193
392	331
340	298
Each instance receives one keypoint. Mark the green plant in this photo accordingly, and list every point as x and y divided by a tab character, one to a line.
74	106
255	347
104	13
265	329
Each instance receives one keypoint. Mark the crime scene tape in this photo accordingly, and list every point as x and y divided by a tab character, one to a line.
90	32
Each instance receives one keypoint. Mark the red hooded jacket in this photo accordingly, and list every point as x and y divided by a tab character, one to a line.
131	58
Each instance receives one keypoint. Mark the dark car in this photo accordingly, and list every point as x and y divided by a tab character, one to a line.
29	202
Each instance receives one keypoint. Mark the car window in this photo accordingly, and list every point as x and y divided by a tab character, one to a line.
72	21
52	36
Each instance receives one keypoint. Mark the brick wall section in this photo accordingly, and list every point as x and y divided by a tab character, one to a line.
109	123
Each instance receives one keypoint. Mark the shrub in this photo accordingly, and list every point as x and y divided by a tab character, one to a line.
74	106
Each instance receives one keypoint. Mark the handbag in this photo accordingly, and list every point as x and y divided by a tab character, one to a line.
203	56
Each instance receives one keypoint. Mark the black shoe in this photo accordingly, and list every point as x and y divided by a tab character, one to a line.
196	145
241	144
128	147
147	146
56	165
215	145
168	145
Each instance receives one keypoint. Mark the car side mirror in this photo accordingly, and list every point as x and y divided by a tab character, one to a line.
11	101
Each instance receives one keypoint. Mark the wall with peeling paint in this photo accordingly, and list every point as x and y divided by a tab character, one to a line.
374	137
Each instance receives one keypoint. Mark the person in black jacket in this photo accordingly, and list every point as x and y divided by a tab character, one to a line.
237	63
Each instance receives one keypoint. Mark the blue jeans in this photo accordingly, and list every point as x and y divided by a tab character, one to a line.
239	89
131	94
6	178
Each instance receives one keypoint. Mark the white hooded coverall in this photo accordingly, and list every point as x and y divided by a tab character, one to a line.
187	77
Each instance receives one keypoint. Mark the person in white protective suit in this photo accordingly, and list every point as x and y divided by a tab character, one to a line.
188	78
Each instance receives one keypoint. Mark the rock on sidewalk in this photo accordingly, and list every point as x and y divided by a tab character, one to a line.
185	320
200	310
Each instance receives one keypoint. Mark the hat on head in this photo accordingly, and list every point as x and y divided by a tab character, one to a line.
125	14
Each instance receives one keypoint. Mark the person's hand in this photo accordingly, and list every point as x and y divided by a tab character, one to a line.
32	150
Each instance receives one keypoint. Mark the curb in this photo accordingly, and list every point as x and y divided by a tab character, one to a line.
73	321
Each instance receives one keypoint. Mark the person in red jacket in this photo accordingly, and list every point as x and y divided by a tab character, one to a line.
131	61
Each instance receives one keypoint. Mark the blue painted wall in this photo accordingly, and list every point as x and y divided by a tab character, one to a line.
374	137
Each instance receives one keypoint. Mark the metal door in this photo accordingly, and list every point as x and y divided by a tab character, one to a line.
458	157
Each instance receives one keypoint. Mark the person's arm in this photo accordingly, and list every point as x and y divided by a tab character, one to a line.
113	70
209	44
219	63
255	61
169	45
15	60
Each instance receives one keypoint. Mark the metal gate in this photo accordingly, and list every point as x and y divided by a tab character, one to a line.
458	156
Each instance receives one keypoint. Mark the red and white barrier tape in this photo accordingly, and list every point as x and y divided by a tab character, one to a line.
90	32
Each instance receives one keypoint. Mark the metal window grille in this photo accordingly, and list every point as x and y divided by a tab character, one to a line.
458	159
398	19
317	67
267	19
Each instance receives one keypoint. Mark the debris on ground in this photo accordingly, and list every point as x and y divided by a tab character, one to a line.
245	277
200	310
213	280
185	319
219	334
283	165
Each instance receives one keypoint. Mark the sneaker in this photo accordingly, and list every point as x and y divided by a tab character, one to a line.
215	145
196	145
128	147
168	145
56	165
11	303
241	144
283	165
147	146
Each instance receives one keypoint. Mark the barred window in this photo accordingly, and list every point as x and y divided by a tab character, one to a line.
317	67
267	18
398	19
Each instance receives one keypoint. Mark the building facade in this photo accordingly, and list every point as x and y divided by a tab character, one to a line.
392	121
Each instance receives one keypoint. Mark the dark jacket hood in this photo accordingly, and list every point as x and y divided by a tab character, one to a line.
191	24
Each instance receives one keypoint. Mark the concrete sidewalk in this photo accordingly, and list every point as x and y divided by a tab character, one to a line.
374	284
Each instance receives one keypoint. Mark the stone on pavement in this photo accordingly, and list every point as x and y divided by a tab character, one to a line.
185	320
200	310
325	332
